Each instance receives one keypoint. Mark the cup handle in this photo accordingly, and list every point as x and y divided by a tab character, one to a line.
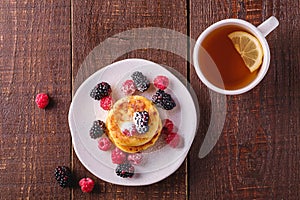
268	26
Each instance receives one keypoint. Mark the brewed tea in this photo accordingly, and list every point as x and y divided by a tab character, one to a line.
221	64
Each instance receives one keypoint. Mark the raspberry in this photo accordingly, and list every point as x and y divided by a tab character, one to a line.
135	159
104	144
118	156
63	176
164	100
168	125
106	103
125	170
128	87
128	129
129	132
126	132
161	82
165	131
98	129
86	185
42	100
101	90
141	121
173	139
141	82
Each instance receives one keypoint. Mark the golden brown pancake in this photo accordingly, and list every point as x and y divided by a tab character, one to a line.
122	114
135	149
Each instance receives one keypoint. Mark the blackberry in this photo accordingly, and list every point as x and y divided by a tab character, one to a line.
98	129
101	90
141	121
141	82
125	170
163	99
63	176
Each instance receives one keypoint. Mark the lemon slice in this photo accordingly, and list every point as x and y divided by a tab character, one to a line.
249	48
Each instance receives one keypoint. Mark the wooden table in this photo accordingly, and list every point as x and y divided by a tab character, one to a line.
43	44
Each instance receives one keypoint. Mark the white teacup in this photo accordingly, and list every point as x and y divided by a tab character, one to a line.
259	32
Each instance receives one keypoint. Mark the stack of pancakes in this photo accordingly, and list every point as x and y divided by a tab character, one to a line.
122	114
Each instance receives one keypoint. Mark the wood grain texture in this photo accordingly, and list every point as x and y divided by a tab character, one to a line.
34	57
43	45
97	21
257	156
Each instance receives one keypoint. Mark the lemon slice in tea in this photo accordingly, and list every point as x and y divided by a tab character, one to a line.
249	48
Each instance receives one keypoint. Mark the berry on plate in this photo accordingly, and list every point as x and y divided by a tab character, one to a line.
161	82
168	125
42	100
86	185
141	121
164	100
128	87
63	176
131	131
106	103
141	82
101	90
128	129
135	158
118	156
173	139
98	129
125	170
104	144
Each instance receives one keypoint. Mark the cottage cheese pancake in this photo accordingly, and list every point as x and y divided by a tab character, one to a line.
119	123
135	149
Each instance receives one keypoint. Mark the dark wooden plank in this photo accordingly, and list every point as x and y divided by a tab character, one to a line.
95	21
34	57
257	155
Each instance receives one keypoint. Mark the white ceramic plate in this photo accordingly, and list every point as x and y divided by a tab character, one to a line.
161	160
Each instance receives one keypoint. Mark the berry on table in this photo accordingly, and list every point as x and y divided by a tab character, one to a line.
98	129
118	156
42	100
104	144
86	185
125	170
101	90
128	87
106	103
141	82
63	176
163	99
161	82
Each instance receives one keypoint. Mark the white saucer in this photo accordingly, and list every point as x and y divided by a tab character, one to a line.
161	161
